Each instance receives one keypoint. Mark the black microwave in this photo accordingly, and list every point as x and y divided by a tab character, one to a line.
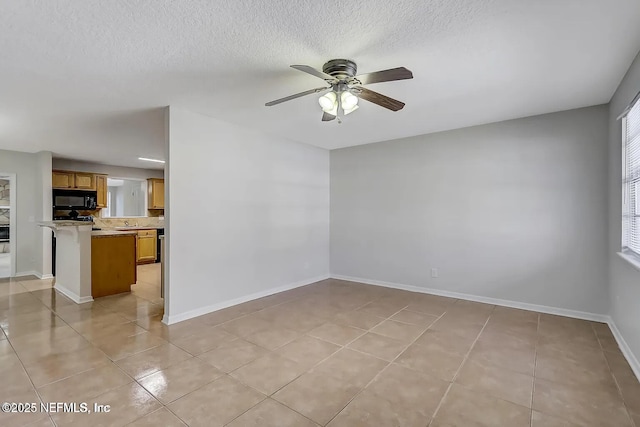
74	200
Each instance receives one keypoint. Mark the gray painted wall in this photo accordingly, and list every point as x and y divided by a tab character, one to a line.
515	210
33	191
623	278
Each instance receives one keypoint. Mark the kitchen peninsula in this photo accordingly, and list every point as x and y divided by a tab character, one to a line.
113	262
92	263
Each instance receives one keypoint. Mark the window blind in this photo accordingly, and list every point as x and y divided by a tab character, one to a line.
631	181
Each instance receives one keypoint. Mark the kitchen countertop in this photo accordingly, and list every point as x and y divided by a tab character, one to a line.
112	233
58	224
135	227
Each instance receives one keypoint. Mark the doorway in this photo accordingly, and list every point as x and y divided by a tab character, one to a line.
7	225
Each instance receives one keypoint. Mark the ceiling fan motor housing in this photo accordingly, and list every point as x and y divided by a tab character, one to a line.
340	68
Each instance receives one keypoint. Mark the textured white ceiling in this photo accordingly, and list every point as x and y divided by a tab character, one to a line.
87	79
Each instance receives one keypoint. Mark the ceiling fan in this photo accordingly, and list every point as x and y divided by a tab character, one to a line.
345	87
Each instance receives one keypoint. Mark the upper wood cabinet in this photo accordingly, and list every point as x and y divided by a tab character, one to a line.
73	180
85	181
101	188
62	179
155	188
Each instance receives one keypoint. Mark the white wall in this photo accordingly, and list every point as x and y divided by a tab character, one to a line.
623	278
33	201
113	171
44	192
513	210
248	213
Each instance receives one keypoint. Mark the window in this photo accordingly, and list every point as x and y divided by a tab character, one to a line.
631	181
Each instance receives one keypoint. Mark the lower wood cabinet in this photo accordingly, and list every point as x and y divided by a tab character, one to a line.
113	264
147	246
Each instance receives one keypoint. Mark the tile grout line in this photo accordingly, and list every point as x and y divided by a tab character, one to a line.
615	380
35	389
389	362
269	396
93	345
464	360
535	365
30	380
306	333
55	313
341	347
271	351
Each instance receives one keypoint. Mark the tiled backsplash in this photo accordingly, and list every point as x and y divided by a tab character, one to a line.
120	222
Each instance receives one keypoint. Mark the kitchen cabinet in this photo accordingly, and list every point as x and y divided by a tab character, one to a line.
147	248
113	264
85	181
62	179
155	189
73	180
101	188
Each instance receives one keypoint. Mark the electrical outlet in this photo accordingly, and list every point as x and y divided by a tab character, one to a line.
434	272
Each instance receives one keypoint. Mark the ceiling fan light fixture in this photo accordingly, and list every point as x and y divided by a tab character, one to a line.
345	88
349	101
350	110
328	102
333	110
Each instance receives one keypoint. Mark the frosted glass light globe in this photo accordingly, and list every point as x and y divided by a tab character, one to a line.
349	100
328	101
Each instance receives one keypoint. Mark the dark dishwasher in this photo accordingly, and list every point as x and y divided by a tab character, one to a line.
159	243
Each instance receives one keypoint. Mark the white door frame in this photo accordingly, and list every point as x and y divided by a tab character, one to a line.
12	220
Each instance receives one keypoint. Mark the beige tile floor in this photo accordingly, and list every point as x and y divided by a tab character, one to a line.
333	353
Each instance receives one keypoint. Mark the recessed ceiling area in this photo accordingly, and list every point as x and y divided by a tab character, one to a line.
89	79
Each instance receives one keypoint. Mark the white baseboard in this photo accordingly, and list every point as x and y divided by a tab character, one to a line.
603	318
34	273
626	350
175	318
27	273
71	295
624	347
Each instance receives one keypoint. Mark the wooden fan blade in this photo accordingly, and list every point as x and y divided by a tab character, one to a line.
297	95
310	70
392	74
326	117
378	98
